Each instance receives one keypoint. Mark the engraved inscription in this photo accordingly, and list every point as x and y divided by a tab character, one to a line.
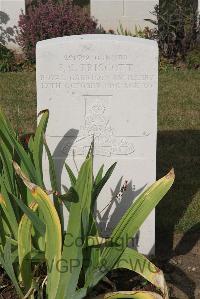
96	72
97	126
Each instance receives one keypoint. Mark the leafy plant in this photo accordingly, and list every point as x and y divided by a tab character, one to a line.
52	19
165	64
7	59
178	25
193	58
137	32
32	234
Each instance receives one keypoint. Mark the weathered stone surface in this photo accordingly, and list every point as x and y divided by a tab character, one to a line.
103	86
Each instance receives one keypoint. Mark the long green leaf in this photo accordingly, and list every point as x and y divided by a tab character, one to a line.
38	146
93	254
2	226
129	225
100	184
71	175
54	184
25	248
135	261
12	142
7	166
141	208
76	229
52	253
53	232
37	222
9	211
133	295
6	262
99	175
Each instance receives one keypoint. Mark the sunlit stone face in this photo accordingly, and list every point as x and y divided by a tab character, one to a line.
103	87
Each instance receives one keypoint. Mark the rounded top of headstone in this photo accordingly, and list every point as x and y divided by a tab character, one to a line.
98	37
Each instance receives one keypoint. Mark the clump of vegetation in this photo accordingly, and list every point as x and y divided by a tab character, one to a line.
165	64
146	33
7	60
193	58
177	23
49	20
176	30
11	62
32	232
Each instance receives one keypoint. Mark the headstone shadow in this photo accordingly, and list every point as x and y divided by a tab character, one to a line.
179	149
180	279
184	246
110	216
60	155
187	243
118	205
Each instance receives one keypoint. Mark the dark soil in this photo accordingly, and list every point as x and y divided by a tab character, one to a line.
7	290
181	265
178	257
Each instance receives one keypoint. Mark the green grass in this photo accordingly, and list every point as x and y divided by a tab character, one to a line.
178	137
179	146
18	99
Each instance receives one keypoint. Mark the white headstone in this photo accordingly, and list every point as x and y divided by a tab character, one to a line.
9	17
130	13
199	8
103	86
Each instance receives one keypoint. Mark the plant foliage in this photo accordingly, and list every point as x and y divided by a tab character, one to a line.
146	33
178	26
193	58
32	234
52	19
7	60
